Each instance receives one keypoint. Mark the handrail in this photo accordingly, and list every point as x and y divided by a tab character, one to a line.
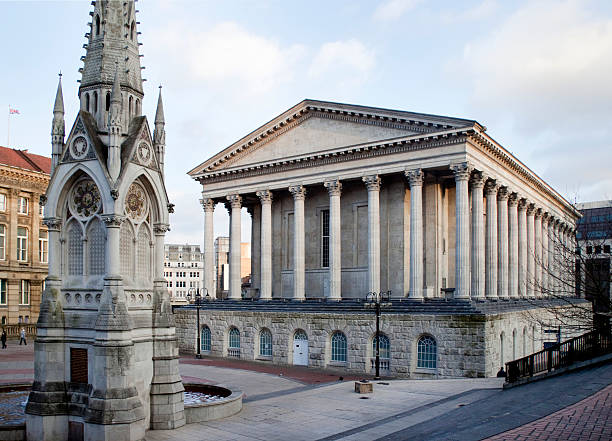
584	347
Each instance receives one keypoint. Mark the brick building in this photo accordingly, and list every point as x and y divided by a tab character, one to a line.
23	237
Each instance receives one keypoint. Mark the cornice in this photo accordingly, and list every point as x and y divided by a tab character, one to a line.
351	153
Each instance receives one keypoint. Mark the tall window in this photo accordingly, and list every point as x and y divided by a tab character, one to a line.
205	339
325	239
41	210
43	246
265	343
427	353
2	242
385	347
24	292
234	343
2	291
22	205
338	343
2	202
22	244
75	250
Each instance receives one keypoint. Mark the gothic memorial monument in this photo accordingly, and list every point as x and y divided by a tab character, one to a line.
106	356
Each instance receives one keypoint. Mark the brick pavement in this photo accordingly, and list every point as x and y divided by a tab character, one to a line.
589	419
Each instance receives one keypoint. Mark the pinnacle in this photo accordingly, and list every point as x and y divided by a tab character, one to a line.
159	115
59	97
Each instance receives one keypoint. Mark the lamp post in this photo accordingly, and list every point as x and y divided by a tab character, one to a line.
378	300
197	301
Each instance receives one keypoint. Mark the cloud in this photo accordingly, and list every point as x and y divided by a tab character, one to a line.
394	9
479	12
229	53
348	59
549	60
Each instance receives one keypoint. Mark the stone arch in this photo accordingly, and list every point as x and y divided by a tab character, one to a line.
132	30
95	102
97	26
264	343
87	101
66	182
153	191
131	107
427	353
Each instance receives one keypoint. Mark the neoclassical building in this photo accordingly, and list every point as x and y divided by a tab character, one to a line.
347	200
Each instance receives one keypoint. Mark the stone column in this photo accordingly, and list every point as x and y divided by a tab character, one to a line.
538	252
299	268
491	242
54	225
373	185
502	243
544	266
209	246
462	255
265	292
553	235
513	246
523	253
478	244
530	279
415	178
235	286
335	240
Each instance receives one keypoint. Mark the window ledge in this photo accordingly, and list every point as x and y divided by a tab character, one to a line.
264	357
430	371
337	363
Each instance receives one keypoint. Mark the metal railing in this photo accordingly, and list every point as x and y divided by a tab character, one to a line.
585	347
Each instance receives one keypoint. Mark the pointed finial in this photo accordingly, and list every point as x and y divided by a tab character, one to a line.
159	115
58	107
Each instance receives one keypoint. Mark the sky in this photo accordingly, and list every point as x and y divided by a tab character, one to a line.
536	73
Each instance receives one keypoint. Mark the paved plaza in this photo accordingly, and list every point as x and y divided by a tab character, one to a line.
284	403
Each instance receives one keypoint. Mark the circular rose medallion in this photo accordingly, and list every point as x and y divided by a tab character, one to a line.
79	147
136	206
85	199
144	153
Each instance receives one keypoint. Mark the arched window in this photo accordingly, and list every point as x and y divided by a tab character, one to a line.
427	353
108	99
524	342
514	357
137	107
97	247
131	105
384	348
133	31
338	344
87	102
127	251
300	335
501	348
144	253
95	103
97	25
205	339
234	343
75	250
265	343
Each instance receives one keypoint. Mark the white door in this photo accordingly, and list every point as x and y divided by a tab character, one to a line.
300	350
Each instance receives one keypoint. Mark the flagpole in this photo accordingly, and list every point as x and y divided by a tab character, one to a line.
8	127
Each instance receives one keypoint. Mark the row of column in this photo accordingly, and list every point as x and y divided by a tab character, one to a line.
515	257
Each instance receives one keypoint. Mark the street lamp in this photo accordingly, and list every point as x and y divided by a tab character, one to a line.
378	300
198	300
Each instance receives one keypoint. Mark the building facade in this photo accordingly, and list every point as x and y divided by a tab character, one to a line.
24	242
346	200
182	270
222	276
106	358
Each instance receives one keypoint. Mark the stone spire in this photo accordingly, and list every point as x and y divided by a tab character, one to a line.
115	129
57	126
113	36
159	137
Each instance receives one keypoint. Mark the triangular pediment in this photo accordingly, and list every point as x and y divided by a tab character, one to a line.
315	126
83	143
138	146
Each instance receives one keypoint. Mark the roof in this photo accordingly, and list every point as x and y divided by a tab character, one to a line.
24	159
431	122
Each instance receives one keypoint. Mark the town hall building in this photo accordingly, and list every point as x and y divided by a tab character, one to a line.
347	200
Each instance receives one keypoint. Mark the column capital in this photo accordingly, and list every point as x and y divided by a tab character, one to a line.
372	182
53	223
235	200
42	200
462	171
545	217
491	187
265	196
334	187
161	229
522	203
415	176
513	199
478	179
503	194
208	204
113	220
531	209
538	213
298	191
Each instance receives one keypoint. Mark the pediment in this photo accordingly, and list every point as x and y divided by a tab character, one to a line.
83	141
139	145
315	126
